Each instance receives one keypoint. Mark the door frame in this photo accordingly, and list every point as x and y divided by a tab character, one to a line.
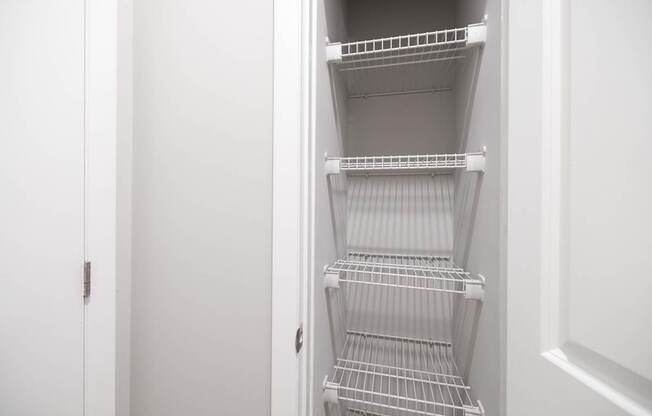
291	216
101	90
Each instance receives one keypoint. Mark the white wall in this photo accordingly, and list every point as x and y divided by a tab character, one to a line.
477	206
400	214
403	124
202	208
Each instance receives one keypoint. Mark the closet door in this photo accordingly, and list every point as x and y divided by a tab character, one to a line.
579	229
41	207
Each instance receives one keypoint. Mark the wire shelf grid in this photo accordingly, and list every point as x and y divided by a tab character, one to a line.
402	271
411	48
407	64
401	162
377	374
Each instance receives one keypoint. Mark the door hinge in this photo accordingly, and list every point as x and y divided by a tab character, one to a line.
87	279
298	339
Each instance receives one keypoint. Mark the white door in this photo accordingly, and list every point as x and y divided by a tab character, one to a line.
579	208
41	207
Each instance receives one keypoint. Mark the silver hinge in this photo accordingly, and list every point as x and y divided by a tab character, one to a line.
87	279
298	339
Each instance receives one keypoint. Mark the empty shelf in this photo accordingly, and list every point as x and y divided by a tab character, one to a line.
435	274
472	162
419	62
376	374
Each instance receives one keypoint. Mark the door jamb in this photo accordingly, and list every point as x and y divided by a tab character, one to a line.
291	231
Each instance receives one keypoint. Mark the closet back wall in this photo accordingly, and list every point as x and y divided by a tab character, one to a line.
202	198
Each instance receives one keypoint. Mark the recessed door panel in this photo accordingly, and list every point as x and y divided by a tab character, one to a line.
608	177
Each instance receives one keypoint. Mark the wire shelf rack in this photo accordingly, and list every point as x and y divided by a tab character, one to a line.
469	161
412	63
381	375
436	274
442	161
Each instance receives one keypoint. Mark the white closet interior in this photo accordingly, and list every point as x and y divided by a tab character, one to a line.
401	75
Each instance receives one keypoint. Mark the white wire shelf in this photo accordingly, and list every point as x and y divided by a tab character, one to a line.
411	63
472	162
379	374
404	48
434	274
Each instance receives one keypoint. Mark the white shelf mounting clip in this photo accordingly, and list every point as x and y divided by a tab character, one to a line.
475	289
476	34
476	162
332	165
333	52
329	391
331	279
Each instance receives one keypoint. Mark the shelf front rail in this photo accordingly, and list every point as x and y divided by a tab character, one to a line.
472	162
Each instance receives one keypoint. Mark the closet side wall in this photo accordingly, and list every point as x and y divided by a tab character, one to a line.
201	326
477	208
329	200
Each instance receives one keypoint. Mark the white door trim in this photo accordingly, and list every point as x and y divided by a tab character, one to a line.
101	87
290	218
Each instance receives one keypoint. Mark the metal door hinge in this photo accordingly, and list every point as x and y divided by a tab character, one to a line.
298	339
87	279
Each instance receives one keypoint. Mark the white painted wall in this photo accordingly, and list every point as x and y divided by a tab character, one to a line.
402	124
478	344
202	208
400	214
368	19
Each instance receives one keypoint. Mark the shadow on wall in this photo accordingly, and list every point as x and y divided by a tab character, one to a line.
467	196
